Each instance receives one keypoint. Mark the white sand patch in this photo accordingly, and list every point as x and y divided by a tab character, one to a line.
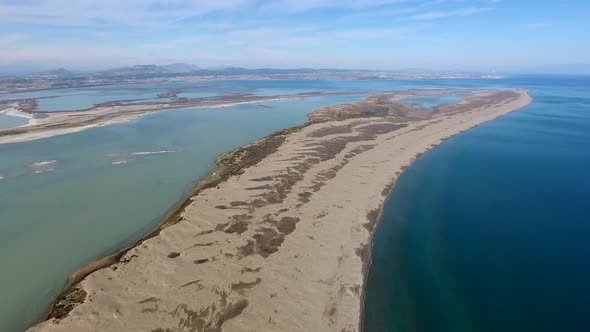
43	163
144	153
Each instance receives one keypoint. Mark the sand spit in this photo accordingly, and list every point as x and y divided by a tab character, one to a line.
279	237
48	124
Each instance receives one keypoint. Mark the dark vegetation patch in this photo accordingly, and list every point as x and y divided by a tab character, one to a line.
247	249
208	244
149	299
373	219
316	186
264	178
266	186
304	197
385	192
233	310
194	282
236	224
209	231
321	215
241	286
287	225
268	241
248	269
208	319
364	252
342	129
67	302
356	289
374	106
191	320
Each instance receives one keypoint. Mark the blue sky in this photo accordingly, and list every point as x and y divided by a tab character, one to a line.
373	34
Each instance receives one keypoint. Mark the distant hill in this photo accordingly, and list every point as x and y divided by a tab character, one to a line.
183	69
133	70
59	72
180	68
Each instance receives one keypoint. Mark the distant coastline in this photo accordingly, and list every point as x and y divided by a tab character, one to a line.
139	74
315	170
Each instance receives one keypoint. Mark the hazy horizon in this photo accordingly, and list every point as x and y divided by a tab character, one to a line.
569	69
470	35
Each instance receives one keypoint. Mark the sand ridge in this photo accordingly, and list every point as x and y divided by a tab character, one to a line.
280	245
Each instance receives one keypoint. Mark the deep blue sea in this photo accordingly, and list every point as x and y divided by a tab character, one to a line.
490	231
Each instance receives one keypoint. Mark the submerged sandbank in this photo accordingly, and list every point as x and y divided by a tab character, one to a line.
278	238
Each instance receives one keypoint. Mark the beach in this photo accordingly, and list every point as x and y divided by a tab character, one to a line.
279	237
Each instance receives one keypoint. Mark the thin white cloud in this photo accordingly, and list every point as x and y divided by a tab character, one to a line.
12	38
102	12
121	32
450	13
304	5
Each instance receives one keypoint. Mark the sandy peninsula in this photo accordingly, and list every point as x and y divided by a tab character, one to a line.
279	237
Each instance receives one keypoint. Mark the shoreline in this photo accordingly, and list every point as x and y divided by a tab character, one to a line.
389	191
67	122
235	162
216	78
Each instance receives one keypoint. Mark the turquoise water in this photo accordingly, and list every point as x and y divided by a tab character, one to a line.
489	231
82	98
9	121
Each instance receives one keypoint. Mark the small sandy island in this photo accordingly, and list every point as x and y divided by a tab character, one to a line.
279	237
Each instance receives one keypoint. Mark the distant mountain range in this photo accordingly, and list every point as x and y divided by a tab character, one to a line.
59	72
182	69
151	69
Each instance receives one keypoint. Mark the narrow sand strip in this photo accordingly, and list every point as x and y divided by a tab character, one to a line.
282	244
